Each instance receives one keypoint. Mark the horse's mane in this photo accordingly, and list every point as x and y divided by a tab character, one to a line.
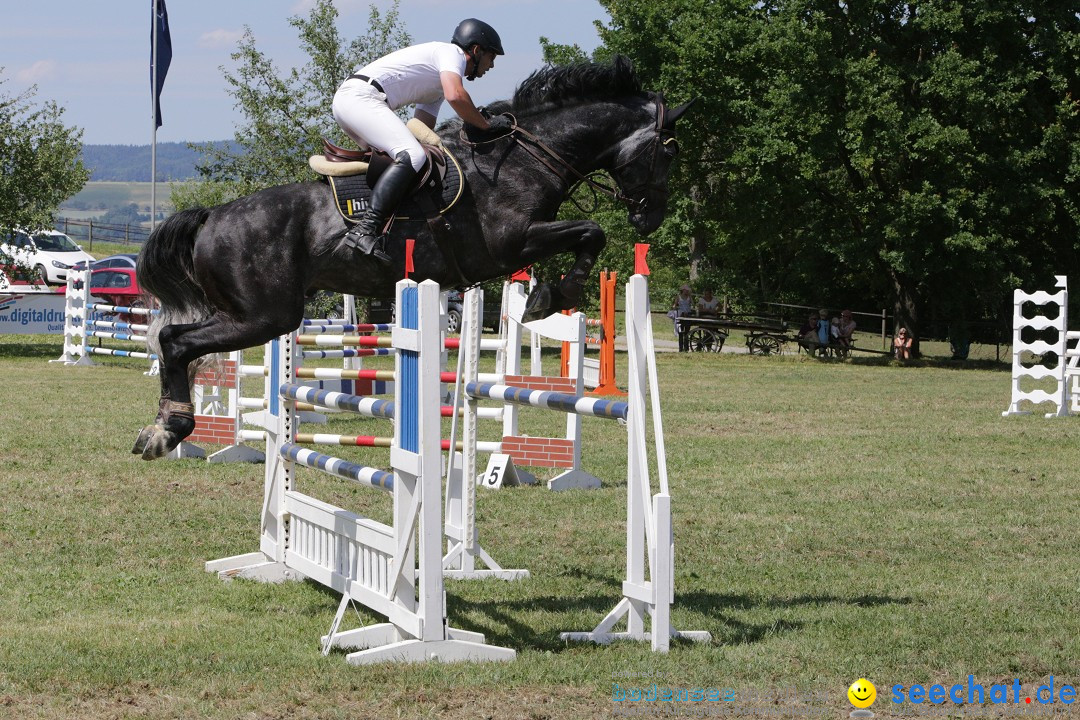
574	83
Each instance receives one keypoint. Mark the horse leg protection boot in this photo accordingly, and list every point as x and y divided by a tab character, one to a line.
393	185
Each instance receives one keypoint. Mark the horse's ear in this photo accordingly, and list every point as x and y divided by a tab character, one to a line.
675	113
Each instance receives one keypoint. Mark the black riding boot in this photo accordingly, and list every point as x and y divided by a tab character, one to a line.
392	187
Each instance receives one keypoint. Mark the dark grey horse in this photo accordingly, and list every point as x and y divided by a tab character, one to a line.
236	276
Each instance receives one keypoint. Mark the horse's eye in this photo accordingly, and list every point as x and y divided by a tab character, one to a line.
671	147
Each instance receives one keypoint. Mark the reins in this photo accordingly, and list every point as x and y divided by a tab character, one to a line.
553	161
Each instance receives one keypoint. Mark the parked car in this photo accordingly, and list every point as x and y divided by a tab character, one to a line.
121	260
49	252
382	310
18	279
492	311
117	286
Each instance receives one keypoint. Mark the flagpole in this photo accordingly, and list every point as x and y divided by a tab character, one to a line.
153	112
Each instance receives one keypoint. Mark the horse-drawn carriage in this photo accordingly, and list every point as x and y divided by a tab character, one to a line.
764	336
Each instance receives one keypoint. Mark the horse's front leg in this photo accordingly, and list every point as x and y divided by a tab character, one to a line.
542	240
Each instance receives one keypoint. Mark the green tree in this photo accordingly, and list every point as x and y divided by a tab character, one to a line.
40	163
923	152
287	115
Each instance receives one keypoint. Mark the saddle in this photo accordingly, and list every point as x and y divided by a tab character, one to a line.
352	173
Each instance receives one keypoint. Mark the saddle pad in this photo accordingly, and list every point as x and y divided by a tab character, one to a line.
352	195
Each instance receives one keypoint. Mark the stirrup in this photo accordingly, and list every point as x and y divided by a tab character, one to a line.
378	251
363	243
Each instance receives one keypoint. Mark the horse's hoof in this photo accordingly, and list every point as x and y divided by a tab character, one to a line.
538	304
154	442
143	438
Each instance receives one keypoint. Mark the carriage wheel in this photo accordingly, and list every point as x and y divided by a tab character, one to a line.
753	344
701	340
769	345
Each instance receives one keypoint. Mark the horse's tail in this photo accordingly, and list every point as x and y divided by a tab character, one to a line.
166	270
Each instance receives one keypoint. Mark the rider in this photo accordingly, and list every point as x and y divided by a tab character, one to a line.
423	75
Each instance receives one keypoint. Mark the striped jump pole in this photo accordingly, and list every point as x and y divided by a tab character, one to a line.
312	327
563	402
379	341
379	441
347	353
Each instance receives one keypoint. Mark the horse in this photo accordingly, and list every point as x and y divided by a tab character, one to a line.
236	276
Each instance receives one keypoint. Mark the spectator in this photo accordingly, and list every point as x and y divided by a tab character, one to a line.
959	340
902	345
683	305
707	305
847	330
808	335
823	329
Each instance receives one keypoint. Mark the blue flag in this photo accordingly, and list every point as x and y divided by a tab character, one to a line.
164	56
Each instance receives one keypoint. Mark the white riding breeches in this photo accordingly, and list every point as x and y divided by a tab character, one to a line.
361	111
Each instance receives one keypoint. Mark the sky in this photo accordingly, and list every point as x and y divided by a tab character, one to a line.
93	58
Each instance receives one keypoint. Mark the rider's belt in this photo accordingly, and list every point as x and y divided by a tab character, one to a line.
373	83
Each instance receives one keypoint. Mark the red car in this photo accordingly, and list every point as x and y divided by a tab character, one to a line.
118	286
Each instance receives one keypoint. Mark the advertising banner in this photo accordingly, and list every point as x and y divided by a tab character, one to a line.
31	313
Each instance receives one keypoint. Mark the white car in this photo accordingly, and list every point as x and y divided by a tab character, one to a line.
49	252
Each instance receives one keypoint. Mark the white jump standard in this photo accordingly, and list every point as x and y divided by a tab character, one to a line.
82	322
395	570
650	544
1056	309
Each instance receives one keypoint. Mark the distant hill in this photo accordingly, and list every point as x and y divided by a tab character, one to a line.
131	163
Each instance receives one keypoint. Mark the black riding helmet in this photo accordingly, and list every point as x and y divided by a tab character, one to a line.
471	32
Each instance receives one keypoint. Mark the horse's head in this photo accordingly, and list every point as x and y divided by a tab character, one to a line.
642	165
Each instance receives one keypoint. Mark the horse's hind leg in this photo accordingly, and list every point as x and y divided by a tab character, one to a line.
182	345
176	414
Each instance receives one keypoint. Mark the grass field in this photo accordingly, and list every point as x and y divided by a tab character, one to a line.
833	520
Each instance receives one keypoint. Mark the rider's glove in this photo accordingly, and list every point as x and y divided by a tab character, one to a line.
498	125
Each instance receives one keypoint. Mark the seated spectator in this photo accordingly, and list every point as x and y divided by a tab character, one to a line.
808	334
902	345
824	330
959	340
834	331
847	329
707	305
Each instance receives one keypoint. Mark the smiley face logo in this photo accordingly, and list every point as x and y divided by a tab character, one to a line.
862	693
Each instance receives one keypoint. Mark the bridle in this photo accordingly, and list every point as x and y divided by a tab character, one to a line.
558	165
